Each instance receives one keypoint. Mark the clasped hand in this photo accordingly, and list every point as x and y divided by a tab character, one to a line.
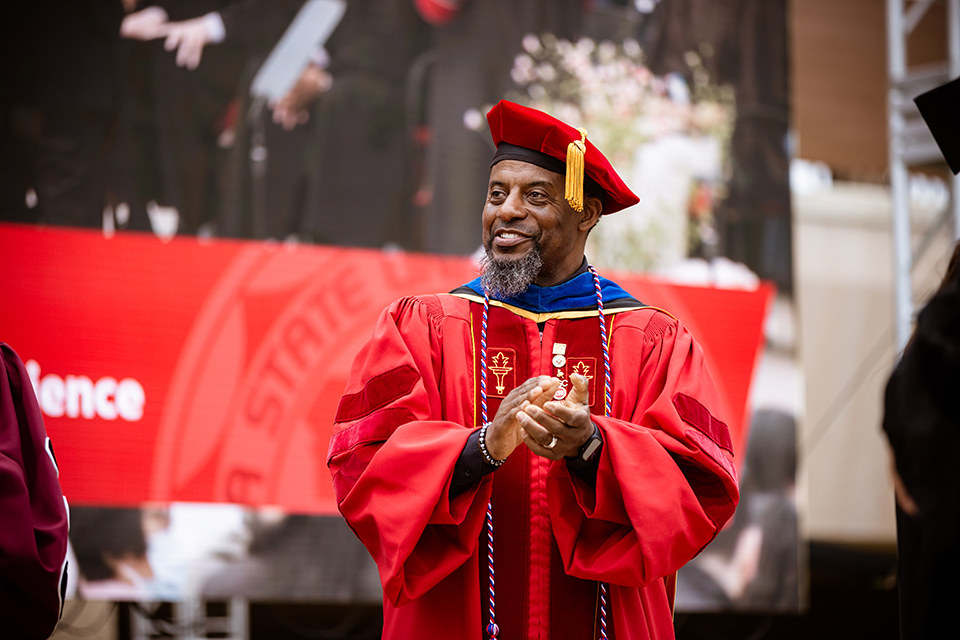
530	415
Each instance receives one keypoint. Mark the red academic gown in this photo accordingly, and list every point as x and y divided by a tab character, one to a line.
666	482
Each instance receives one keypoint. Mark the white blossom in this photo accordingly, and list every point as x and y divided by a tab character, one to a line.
586	45
473	119
546	72
531	43
607	51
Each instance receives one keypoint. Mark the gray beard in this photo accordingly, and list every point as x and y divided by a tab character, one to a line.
509	278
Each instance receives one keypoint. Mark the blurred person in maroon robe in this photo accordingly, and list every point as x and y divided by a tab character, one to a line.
33	512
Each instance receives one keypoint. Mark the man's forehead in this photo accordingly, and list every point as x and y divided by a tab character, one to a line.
516	171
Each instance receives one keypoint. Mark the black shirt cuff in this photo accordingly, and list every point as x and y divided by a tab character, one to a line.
470	467
586	471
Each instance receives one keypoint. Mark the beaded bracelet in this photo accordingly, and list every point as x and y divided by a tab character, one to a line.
490	460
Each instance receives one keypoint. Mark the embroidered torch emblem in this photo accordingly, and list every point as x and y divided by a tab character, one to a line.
583	369
500	365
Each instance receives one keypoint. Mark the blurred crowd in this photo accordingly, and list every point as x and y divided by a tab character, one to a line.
158	116
183	551
339	121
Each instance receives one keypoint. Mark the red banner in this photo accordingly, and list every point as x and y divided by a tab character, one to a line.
210	371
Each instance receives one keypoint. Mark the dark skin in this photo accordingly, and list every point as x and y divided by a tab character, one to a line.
526	203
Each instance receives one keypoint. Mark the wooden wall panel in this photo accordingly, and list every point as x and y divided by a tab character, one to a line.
839	81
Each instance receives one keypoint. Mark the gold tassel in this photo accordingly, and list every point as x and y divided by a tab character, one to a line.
573	190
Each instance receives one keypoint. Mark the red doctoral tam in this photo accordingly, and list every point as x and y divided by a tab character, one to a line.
528	128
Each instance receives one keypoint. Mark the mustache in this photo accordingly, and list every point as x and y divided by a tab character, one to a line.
532	234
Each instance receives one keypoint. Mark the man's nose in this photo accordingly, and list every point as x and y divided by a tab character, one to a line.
512	207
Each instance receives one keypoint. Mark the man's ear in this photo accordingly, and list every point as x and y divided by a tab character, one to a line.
592	208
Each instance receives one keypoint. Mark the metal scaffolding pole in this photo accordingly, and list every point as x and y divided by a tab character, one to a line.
910	142
953	44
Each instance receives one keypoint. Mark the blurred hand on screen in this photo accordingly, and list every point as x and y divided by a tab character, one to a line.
189	37
292	109
147	24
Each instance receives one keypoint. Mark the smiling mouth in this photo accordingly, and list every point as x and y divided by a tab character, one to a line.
508	238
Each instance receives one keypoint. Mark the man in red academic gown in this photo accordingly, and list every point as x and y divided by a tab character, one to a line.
604	469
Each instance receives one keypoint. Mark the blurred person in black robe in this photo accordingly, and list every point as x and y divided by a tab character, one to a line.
922	422
184	66
300	164
58	102
742	43
474	43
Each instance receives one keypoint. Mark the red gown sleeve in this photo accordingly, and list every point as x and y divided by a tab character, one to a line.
33	513
666	482
398	434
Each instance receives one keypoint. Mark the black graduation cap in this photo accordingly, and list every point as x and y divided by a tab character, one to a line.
940	109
